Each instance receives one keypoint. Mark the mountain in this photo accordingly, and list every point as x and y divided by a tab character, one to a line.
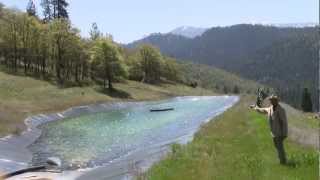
221	46
295	25
283	57
188	31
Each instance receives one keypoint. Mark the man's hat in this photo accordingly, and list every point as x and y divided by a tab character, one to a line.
273	97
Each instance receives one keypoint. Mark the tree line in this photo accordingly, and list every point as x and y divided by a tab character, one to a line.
51	48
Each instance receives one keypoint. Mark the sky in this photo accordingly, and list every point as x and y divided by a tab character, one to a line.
129	20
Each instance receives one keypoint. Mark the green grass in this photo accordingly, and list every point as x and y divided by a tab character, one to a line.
21	97
238	146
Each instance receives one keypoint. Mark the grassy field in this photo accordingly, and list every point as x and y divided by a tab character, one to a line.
236	146
21	97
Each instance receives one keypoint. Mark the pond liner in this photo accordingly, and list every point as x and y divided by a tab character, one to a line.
22	171
161	110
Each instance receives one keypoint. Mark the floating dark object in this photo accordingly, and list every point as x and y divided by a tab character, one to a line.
54	161
160	110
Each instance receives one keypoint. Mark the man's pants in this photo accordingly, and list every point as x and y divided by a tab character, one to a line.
278	143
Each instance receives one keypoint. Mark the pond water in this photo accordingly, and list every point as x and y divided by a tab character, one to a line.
95	139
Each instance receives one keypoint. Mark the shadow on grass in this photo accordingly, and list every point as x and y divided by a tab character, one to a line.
115	93
65	84
292	163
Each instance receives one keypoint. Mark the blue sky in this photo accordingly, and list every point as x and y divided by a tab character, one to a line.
129	20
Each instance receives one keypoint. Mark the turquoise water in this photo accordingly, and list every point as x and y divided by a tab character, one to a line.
95	139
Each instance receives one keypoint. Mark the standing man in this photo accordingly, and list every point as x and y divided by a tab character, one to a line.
278	125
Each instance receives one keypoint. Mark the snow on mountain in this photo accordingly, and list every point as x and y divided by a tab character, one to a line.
188	31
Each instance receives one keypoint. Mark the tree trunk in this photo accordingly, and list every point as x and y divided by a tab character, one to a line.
110	84
43	66
58	64
110	87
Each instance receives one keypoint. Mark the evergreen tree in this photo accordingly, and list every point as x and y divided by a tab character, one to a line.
95	32
47	10
60	9
306	101
31	8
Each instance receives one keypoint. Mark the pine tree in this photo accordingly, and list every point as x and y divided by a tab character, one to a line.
95	32
47	10
306	101
60	9
31	8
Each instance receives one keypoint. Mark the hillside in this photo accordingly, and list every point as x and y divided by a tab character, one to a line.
216	79
288	66
247	50
169	44
220	46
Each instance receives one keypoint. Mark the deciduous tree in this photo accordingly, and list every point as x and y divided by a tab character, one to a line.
107	61
151	63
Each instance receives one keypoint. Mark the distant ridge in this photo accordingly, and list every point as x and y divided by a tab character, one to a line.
294	25
188	31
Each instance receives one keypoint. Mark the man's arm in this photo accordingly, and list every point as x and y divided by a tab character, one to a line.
260	110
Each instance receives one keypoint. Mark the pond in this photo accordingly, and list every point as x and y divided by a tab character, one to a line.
93	139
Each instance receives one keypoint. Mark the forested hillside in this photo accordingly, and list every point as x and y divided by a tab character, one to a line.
285	58
221	46
53	50
219	80
288	65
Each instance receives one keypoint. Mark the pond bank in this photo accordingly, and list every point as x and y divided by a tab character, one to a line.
140	159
